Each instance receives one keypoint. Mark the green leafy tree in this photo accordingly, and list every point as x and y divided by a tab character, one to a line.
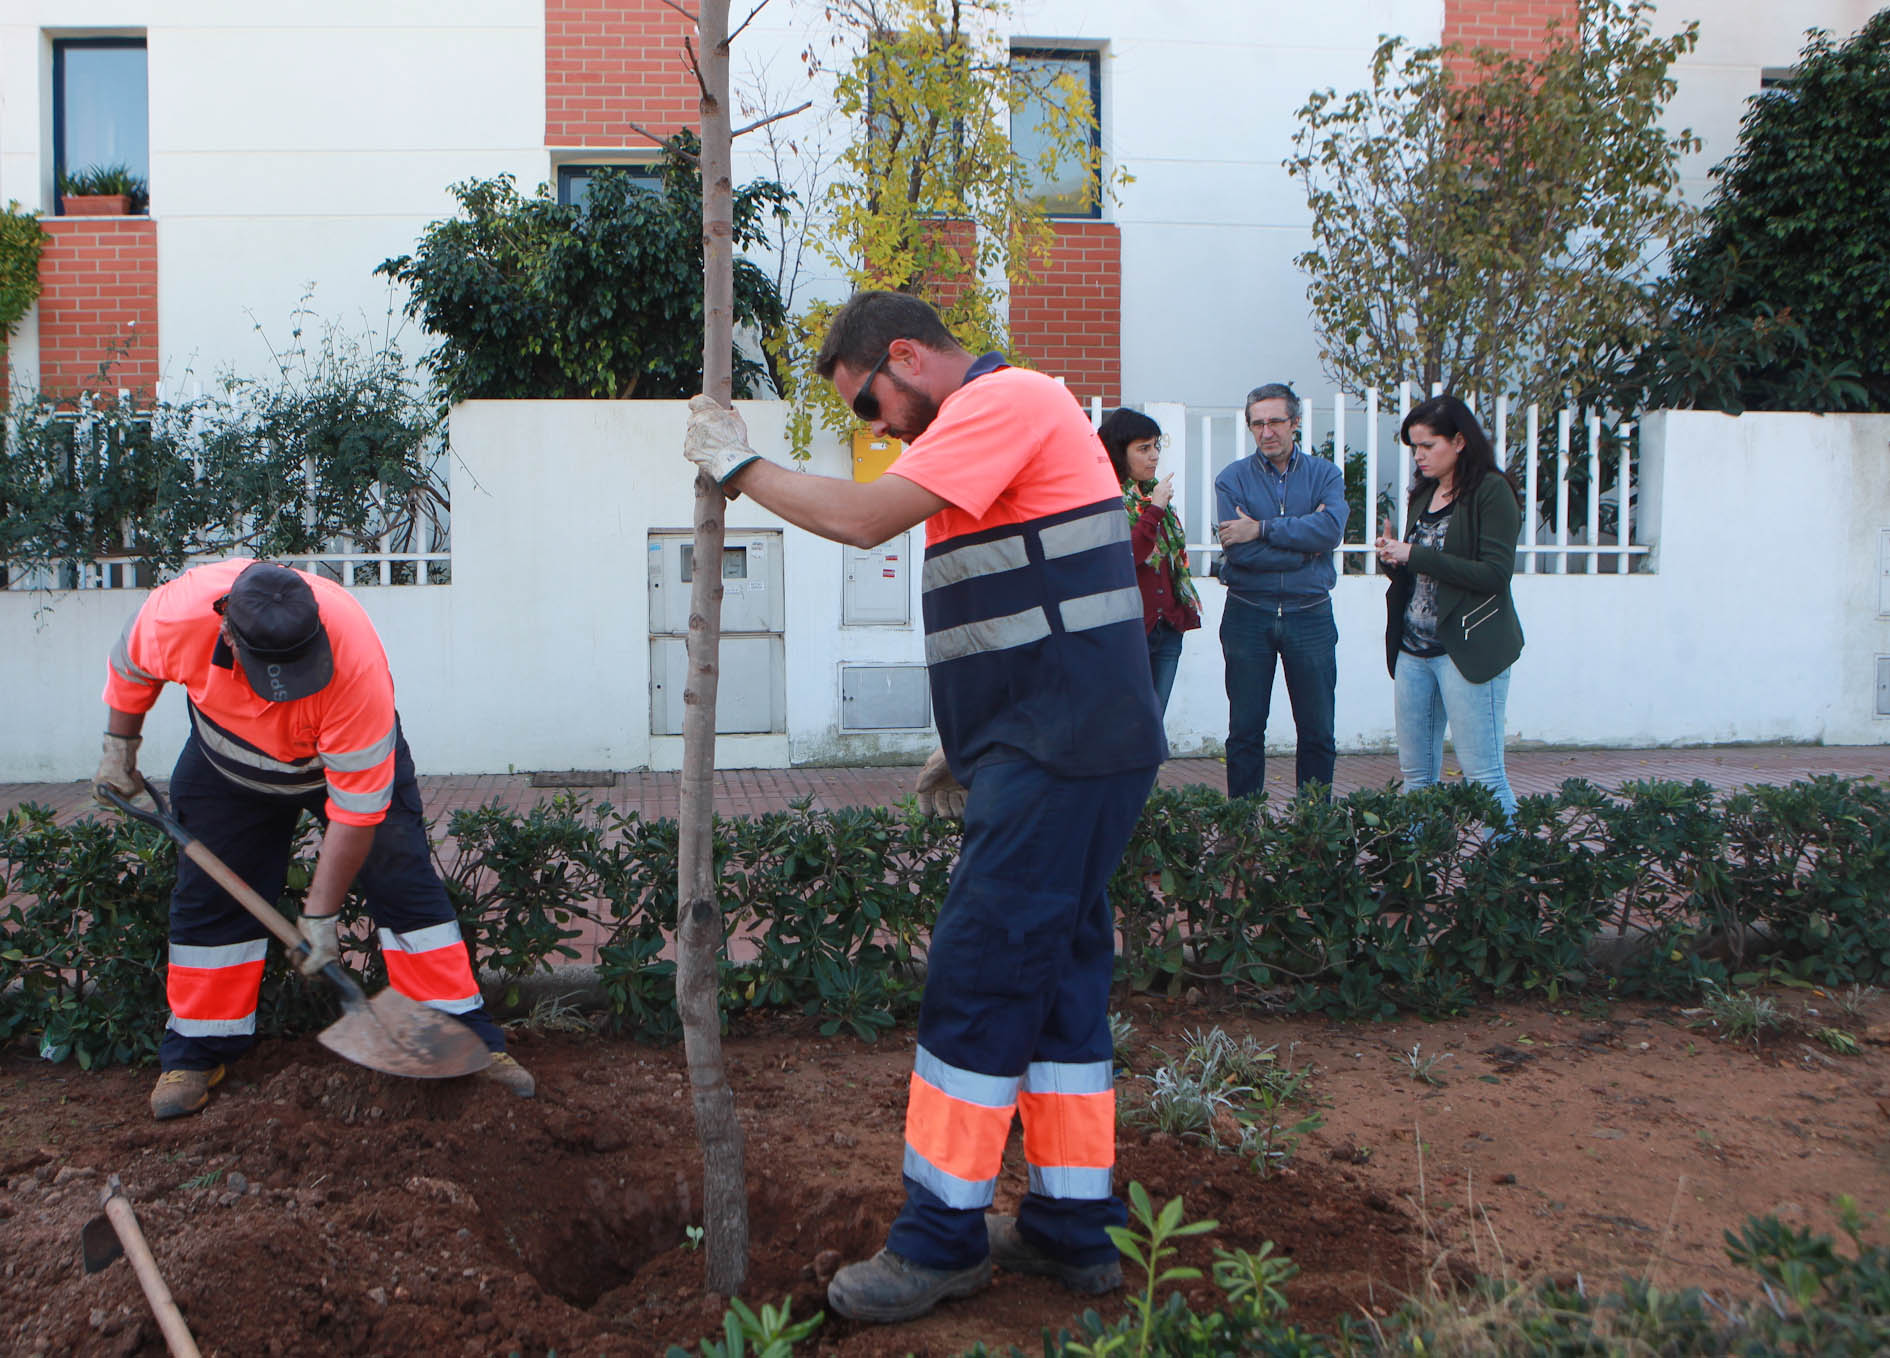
603	300
22	239
930	195
1494	221
1783	300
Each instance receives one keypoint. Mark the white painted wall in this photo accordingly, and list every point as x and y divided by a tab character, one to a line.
1760	624
293	144
1739	39
303	142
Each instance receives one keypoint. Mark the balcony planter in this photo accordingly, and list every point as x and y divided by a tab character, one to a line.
97	204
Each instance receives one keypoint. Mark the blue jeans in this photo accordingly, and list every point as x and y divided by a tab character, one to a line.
1304	642
1432	692
1164	656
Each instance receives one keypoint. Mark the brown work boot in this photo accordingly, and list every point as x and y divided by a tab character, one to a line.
1012	1251
887	1289
179	1093
509	1074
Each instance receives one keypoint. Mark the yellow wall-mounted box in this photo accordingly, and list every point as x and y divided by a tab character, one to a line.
873	454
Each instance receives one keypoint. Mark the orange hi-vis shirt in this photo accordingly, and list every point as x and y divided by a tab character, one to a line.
341	738
1007	447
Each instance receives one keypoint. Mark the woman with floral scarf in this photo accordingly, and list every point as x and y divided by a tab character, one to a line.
1170	605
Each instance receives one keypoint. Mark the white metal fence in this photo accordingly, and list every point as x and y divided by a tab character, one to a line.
1362	437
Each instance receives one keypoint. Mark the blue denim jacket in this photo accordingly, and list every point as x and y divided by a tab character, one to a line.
1302	518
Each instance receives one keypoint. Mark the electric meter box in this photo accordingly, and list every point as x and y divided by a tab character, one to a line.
884	698
876	585
752	599
872	455
750	691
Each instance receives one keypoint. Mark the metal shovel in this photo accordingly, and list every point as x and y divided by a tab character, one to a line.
105	1238
389	1032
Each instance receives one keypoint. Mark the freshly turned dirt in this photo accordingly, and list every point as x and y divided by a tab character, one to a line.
316	1208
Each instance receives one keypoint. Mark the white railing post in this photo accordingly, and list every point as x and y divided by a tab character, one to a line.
1562	422
1371	477
1338	456
1624	502
1404	459
1593	564
1532	510
1501	422
1210	547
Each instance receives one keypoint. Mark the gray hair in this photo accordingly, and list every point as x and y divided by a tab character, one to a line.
1272	391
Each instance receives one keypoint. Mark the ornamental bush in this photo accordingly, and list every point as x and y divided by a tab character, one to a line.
533	298
1356	907
1783	301
336	443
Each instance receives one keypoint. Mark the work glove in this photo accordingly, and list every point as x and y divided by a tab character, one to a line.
940	794
319	932
717	440
118	770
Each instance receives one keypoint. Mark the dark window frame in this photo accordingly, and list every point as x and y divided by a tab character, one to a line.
1091	56
647	172
60	46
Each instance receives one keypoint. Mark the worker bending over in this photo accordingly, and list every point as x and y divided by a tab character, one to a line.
291	710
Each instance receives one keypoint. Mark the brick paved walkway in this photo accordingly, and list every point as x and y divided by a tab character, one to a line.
747	792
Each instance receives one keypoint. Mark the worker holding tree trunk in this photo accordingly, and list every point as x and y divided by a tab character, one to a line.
291	710
1049	724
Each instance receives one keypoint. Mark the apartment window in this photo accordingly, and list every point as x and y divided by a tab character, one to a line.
1776	79
100	112
1069	188
574	181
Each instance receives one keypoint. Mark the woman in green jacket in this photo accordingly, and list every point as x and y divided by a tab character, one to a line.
1451	631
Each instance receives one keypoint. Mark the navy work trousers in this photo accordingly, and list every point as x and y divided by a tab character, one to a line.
1019	970
254	832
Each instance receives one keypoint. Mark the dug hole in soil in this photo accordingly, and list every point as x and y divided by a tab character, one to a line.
317	1208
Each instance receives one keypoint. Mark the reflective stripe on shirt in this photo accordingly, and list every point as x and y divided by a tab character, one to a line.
981	558
990	634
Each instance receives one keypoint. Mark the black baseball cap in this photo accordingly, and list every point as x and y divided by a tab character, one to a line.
278	632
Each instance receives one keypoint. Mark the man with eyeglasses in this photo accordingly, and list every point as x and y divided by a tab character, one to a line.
1281	515
1047	717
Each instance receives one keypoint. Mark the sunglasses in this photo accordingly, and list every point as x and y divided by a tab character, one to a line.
865	404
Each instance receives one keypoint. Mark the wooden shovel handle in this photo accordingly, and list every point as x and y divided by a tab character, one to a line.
170	1320
246	896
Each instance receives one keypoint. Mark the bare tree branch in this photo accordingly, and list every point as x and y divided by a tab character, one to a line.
664	141
680	10
801	107
695	67
744	24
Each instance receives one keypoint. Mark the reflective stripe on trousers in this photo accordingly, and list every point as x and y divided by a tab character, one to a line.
431	965
957	1122
212	990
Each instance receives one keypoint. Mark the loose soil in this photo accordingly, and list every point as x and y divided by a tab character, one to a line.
316	1208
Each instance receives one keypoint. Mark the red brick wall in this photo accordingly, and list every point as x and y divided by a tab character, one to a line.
1069	322
611	63
961	237
1513	25
98	292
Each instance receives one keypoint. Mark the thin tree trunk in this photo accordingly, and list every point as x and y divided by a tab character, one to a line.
699	925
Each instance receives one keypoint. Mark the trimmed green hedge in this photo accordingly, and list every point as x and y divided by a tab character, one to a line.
1364	905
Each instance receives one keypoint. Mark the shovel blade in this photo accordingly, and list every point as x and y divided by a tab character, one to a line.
98	1243
399	1036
